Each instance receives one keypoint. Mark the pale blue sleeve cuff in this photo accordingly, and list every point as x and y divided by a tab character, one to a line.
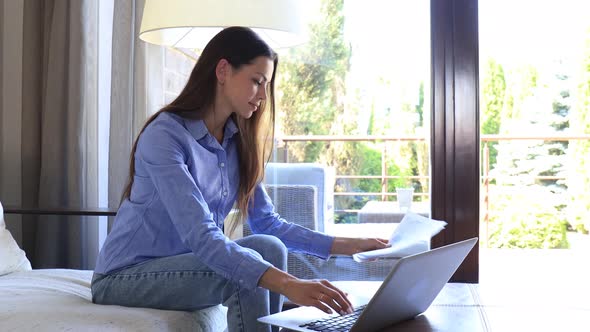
250	271
320	244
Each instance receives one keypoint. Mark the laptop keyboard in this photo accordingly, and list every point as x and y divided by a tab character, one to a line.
336	323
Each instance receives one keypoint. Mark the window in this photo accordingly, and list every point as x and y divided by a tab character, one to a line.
535	92
355	99
353	120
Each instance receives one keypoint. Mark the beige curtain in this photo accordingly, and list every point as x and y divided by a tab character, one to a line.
57	152
10	114
59	136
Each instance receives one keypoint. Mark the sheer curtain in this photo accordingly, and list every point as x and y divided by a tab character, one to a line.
59	135
84	98
137	90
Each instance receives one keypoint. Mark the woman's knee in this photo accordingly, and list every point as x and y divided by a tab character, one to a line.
271	248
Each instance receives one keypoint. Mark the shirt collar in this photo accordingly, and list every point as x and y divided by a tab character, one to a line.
230	128
198	129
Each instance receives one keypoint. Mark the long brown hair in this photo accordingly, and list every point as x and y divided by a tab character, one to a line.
239	46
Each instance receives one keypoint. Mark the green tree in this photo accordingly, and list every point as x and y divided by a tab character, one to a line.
420	149
542	109
558	120
521	85
311	82
514	158
371	120
493	99
536	104
578	181
312	89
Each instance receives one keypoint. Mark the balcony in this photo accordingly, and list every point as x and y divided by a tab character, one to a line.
559	272
494	183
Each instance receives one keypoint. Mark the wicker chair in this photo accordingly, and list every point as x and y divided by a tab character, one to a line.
298	204
313	174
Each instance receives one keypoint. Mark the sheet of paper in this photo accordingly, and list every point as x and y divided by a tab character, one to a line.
411	236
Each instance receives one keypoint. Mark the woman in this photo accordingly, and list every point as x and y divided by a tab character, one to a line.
192	160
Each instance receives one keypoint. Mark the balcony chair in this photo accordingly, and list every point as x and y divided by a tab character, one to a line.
313	174
299	203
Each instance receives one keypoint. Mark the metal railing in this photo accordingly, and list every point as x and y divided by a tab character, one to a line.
384	194
383	177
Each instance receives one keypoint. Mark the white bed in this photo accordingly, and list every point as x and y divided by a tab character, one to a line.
60	300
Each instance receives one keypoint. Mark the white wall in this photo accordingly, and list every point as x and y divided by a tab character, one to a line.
177	69
11	44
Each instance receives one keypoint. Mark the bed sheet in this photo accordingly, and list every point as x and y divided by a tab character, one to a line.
60	300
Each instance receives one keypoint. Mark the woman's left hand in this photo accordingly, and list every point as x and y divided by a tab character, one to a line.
351	246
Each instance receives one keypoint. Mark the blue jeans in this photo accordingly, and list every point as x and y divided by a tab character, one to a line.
184	283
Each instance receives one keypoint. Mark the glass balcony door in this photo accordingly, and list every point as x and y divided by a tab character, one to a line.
353	119
535	142
355	99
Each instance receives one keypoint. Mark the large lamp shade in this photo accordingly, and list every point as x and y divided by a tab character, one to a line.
192	23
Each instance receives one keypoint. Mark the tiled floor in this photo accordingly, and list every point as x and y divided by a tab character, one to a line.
537	275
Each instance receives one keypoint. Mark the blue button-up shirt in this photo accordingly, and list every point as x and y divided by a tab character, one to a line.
185	184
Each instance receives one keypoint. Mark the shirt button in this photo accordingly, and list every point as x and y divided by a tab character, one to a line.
225	193
222	165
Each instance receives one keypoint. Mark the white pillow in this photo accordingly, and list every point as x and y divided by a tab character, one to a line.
12	258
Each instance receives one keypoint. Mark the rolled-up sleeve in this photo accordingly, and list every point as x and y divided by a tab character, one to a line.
263	219
164	158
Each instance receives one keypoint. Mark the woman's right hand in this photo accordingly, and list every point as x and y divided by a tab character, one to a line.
317	293
320	294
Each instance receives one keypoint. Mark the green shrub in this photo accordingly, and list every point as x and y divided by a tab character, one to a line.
526	217
531	232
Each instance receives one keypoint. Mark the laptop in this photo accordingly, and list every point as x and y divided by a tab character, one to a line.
408	290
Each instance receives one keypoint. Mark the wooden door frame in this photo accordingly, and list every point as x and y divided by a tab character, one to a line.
455	126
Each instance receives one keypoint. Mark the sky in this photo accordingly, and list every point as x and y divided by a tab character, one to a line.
390	39
521	30
390	42
532	31
394	33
